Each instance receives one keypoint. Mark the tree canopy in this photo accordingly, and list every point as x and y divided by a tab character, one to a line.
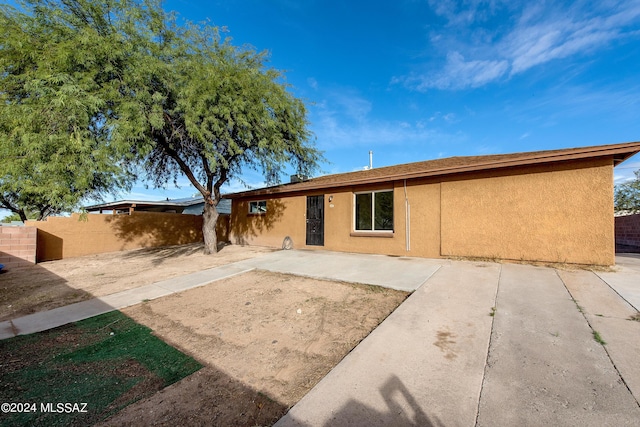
129	87
627	196
53	143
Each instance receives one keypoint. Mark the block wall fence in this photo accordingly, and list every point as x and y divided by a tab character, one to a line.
628	230
79	235
17	245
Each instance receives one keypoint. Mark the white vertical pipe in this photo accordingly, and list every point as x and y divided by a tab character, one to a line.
407	218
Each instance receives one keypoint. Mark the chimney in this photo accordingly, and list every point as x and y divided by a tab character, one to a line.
370	159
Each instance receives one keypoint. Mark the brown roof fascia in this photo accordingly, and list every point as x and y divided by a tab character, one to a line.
619	153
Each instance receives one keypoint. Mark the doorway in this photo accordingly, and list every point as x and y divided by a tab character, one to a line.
315	220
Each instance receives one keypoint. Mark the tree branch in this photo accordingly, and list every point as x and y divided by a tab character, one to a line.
20	212
184	167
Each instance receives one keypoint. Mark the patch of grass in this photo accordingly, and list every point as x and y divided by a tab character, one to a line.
635	317
107	362
493	312
598	338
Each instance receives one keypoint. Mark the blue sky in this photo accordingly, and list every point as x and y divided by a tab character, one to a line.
418	80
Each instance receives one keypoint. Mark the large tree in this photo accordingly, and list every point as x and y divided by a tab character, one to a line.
182	99
627	196
54	148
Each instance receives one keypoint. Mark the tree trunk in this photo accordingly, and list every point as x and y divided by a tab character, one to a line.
209	221
22	215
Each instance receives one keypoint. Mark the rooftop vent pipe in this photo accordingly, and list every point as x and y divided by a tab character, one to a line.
370	159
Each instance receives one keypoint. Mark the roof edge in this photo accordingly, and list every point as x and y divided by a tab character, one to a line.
619	152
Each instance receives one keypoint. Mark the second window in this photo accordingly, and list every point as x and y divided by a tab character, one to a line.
374	211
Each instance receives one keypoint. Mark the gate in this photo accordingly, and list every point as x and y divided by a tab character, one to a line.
315	220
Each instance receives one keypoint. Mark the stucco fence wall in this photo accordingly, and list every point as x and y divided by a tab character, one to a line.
17	245
628	231
79	235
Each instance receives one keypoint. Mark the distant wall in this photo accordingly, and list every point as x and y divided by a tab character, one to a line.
78	235
17	244
628	231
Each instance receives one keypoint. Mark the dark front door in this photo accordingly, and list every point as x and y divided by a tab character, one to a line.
315	220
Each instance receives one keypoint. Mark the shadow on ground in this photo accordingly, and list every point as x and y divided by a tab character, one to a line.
402	410
622	250
26	288
207	397
162	254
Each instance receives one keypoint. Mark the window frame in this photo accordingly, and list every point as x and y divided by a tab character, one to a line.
373	231
257	204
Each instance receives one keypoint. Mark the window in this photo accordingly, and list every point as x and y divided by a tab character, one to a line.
374	211
258	207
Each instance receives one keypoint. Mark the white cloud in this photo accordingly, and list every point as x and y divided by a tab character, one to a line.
343	119
464	12
438	116
477	54
459	73
621	100
235	185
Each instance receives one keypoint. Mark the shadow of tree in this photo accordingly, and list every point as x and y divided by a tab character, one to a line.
163	253
245	226
156	229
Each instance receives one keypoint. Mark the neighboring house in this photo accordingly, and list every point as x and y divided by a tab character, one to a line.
552	206
189	205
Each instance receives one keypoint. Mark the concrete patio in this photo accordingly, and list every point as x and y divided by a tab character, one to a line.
476	343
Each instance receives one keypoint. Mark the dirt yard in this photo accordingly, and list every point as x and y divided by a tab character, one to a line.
265	339
52	284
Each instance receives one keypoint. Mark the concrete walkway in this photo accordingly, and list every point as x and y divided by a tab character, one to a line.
367	269
475	344
50	319
423	366
441	359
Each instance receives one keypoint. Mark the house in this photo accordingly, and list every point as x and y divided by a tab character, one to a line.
189	205
550	206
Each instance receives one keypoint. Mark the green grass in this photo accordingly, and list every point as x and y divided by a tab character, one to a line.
598	338
107	362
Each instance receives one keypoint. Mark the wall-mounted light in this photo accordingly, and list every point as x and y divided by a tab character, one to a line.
330	199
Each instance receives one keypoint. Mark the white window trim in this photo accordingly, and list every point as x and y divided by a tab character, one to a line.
373	217
257	202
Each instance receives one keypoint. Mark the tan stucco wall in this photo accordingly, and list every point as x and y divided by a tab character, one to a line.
539	215
60	237
286	216
534	214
